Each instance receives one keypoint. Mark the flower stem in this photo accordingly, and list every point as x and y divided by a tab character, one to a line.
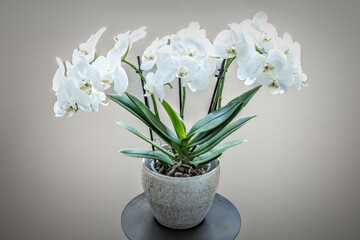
135	68
127	51
216	89
155	106
144	80
180	94
146	100
222	80
183	102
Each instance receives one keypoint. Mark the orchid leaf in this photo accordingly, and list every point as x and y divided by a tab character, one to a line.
213	119
224	133
222	115
153	119
142	153
215	152
126	103
159	128
137	133
240	102
176	121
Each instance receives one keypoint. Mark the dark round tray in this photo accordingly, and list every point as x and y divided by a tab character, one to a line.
221	223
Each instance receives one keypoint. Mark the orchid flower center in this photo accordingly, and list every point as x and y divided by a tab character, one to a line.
231	51
273	84
150	89
266	38
268	68
106	83
192	52
305	82
149	56
183	72
85	85
83	51
70	106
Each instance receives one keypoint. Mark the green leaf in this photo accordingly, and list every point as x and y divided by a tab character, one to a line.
153	119
137	133
213	119
176	121
141	153
246	96
224	133
240	102
215	152
130	106
224	114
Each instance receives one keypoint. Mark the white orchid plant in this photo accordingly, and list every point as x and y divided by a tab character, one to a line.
263	59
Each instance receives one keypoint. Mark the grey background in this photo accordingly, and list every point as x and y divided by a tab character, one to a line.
296	178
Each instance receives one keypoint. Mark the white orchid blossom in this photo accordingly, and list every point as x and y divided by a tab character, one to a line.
102	65
112	73
225	44
59	79
96	99
263	58
252	68
187	57
87	50
85	76
293	52
291	49
276	61
124	41
264	34
150	56
191	41
191	72
300	79
70	98
154	84
273	71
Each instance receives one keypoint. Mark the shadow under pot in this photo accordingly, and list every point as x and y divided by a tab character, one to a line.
179	202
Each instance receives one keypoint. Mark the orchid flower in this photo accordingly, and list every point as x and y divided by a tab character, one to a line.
85	76
149	57
96	99
264	34
70	99
263	58
59	77
87	50
124	41
154	84
188	69
293	52
112	73
275	72
192	42
187	58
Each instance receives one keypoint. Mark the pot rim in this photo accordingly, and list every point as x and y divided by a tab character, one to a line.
180	178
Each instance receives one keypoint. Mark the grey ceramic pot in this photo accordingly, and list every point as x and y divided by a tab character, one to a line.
179	203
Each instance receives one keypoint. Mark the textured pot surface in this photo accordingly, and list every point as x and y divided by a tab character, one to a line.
180	203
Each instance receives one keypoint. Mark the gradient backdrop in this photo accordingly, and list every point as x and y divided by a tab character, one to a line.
297	177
